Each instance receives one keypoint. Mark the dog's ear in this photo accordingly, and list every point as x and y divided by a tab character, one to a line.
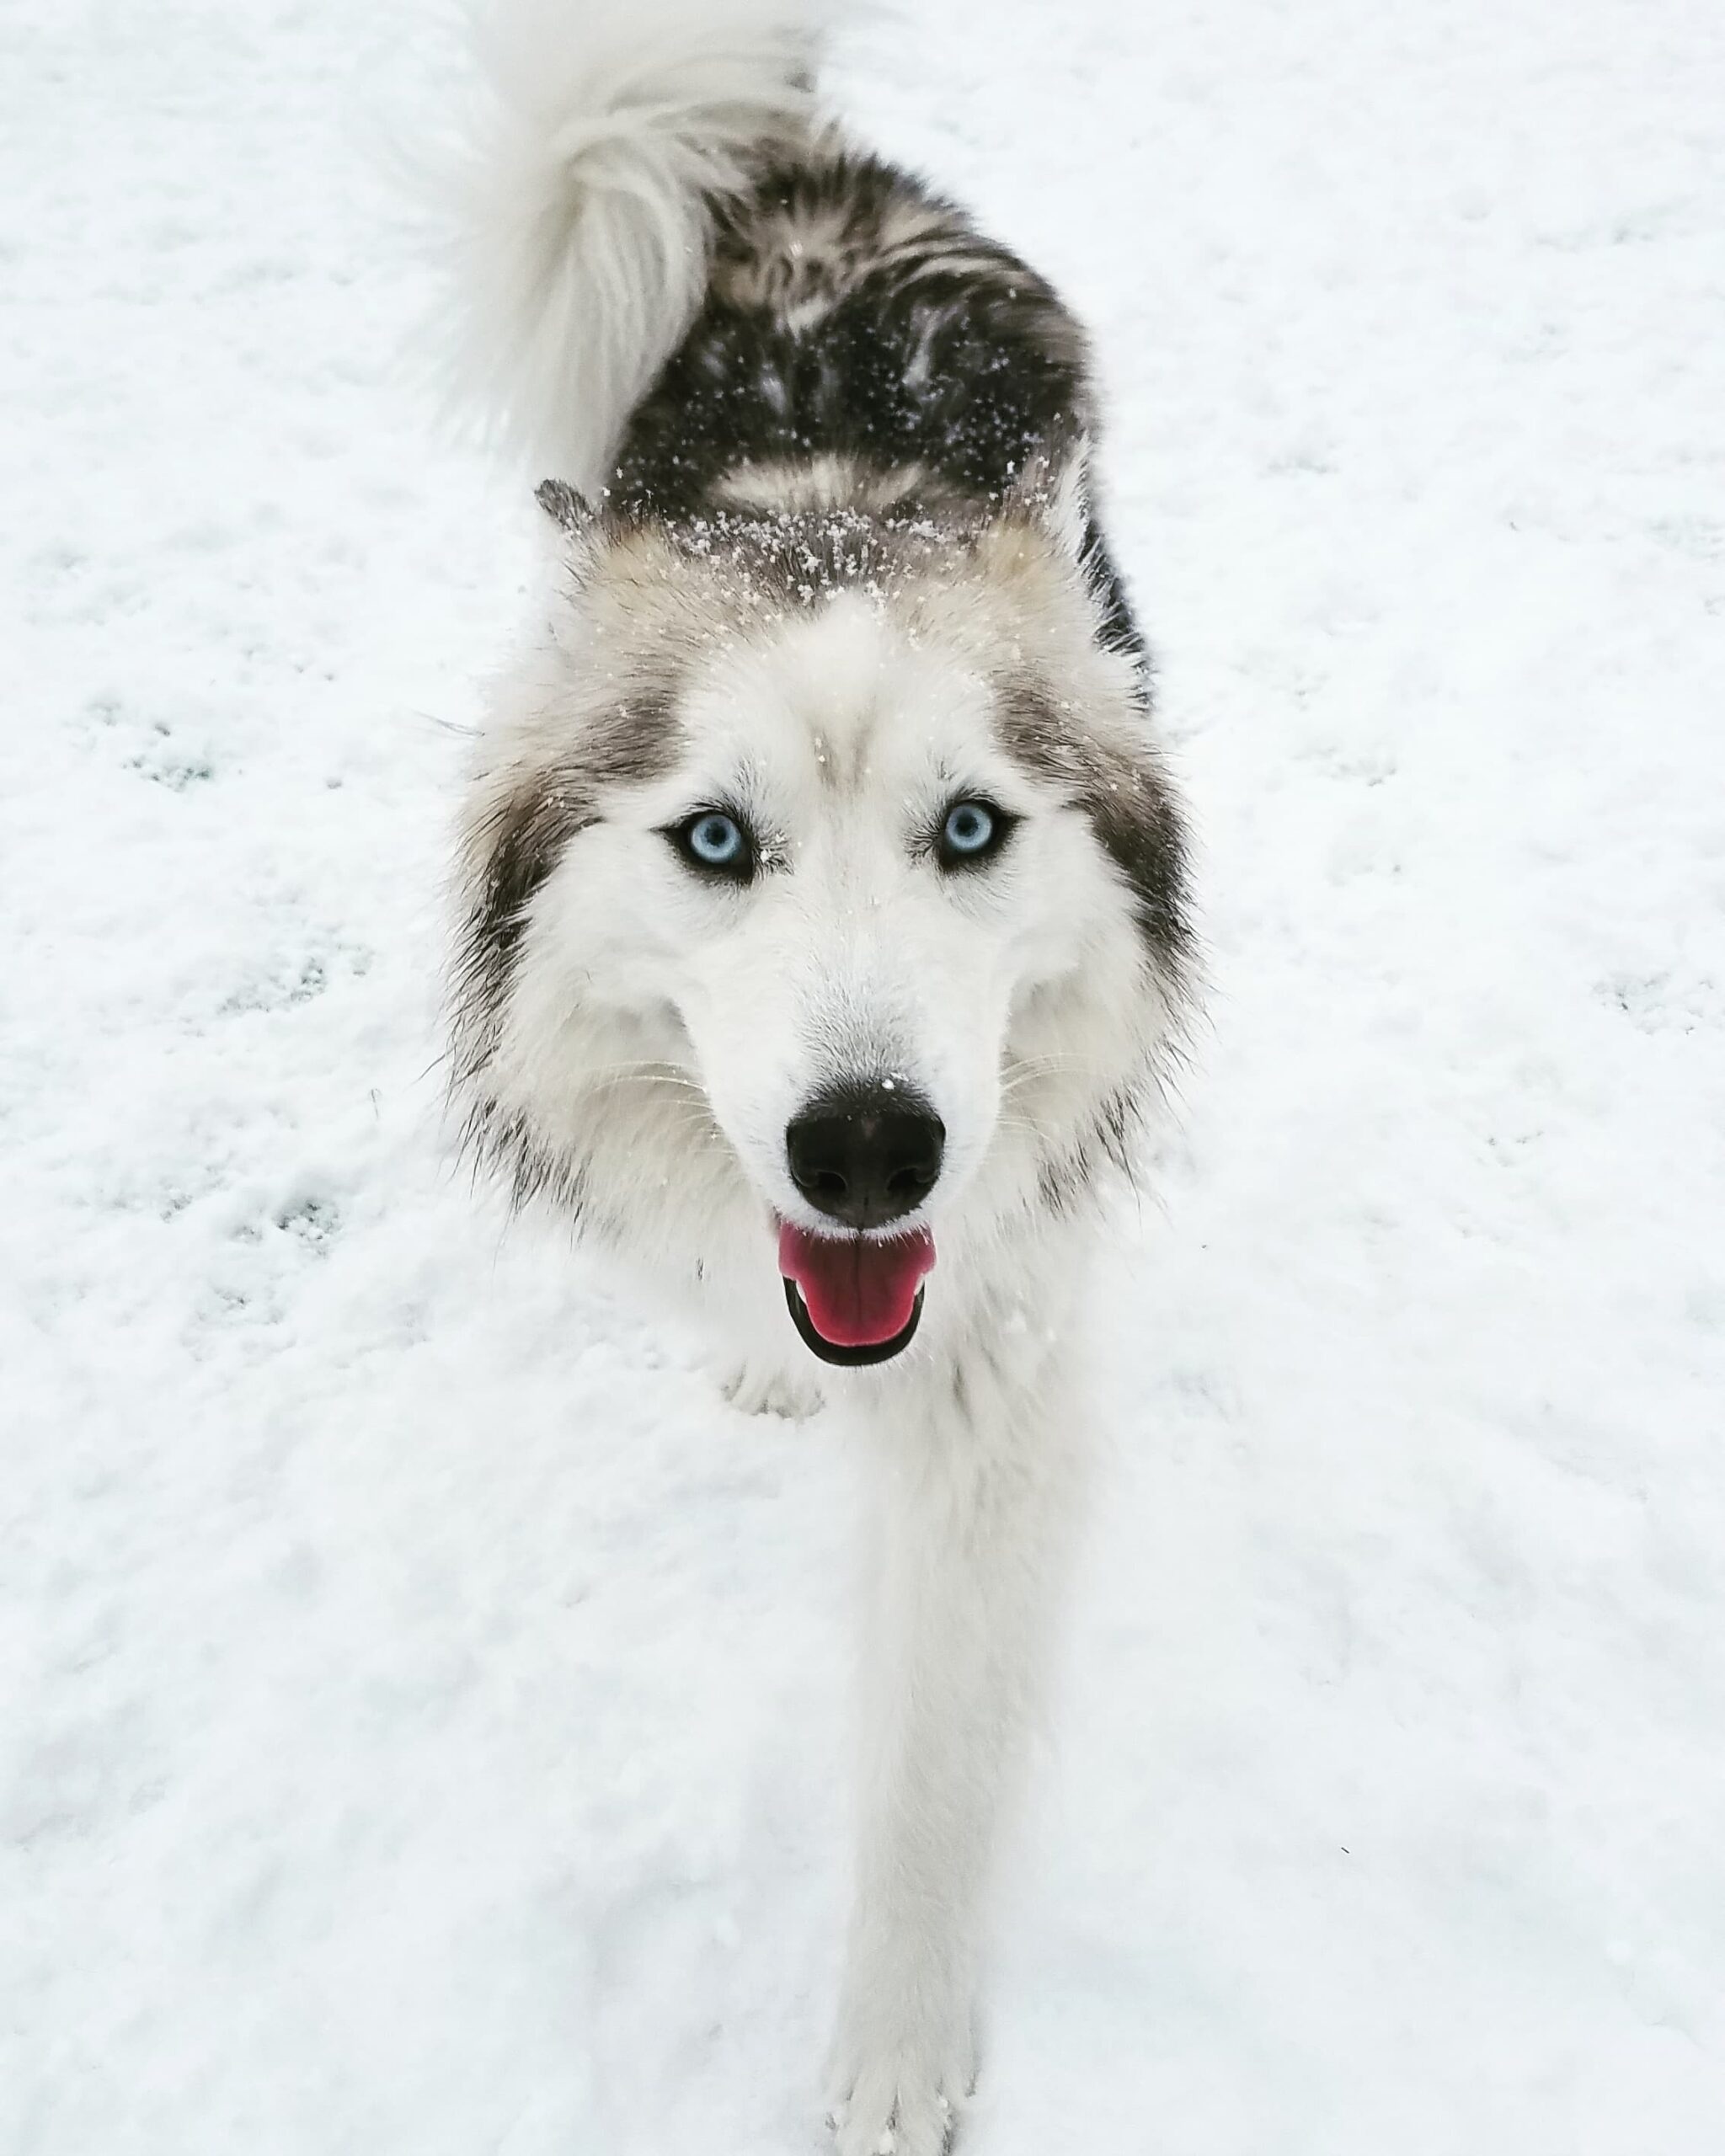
573	535
1053	490
564	506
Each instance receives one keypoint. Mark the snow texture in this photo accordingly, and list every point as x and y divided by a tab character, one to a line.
424	1722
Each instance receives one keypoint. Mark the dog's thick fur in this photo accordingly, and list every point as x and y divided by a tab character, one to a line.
828	559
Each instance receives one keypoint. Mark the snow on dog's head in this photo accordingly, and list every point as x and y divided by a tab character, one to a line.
822	899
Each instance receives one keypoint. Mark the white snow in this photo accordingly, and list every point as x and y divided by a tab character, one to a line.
424	1707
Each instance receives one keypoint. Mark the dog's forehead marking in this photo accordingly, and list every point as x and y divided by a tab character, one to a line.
850	661
870	699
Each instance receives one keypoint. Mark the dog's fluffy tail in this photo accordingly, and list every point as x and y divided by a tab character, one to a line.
584	212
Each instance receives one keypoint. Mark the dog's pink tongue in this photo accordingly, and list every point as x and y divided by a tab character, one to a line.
857	1292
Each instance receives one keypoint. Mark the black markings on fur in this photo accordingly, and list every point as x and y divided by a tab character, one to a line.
1129	804
520	839
850	312
523	836
526	833
1065	1179
510	1148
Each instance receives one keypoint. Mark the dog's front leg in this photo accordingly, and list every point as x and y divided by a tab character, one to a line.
973	1497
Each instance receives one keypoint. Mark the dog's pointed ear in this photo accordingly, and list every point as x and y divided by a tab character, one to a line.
573	535
1053	490
564	507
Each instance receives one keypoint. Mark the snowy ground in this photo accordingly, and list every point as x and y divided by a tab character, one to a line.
422	1726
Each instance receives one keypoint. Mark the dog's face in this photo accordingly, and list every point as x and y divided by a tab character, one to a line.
822	889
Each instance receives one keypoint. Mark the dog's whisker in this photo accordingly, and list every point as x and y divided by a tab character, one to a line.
1034	1066
615	1074
1018	1081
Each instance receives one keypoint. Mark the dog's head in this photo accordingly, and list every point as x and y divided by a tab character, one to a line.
822	897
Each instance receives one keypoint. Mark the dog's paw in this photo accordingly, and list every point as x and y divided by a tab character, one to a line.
904	2099
752	1390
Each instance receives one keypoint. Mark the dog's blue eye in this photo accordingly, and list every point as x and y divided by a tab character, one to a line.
972	832
716	842
970	827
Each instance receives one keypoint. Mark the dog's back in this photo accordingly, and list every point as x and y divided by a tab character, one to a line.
852	319
684	295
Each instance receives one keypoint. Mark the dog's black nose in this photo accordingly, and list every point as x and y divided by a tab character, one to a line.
866	1156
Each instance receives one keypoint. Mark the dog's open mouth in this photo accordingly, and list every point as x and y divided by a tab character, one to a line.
854	1299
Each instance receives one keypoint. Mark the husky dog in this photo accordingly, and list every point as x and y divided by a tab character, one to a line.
824	929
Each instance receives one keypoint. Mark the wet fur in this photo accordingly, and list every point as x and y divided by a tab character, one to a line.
824	535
